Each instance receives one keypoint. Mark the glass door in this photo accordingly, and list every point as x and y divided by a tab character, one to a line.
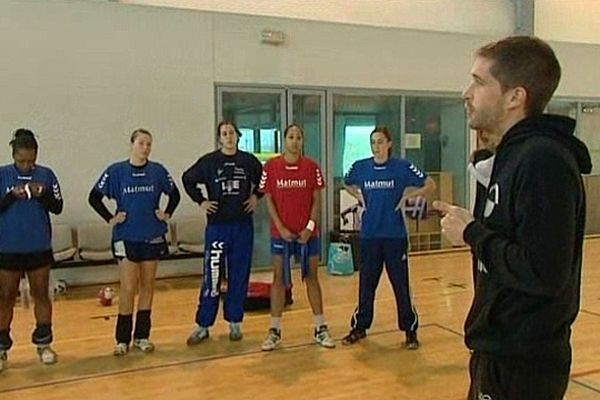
260	115
307	109
353	118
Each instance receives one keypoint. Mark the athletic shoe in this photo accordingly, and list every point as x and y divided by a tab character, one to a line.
143	345
47	355
322	337
121	349
354	336
412	343
198	335
272	341
235	332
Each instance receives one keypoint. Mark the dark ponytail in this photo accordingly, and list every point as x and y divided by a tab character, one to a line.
23	139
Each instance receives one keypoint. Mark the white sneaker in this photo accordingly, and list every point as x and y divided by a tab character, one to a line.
272	341
323	338
3	358
47	355
198	335
235	332
120	349
144	345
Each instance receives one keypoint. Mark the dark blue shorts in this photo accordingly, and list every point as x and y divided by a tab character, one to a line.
153	249
26	261
314	247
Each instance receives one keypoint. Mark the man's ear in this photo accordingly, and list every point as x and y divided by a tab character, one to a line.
517	98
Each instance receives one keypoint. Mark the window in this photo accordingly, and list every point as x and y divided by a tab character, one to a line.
440	146
354	118
247	140
356	138
268	140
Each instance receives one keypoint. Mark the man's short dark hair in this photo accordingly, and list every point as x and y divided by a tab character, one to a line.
528	62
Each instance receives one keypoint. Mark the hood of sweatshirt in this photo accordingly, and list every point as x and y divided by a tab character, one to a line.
556	127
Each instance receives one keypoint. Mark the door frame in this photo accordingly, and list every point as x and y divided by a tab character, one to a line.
324	140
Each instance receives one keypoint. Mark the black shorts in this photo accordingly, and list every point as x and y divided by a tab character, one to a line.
503	378
153	249
26	261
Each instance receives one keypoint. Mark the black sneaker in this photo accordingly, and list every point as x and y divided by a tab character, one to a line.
354	336
412	343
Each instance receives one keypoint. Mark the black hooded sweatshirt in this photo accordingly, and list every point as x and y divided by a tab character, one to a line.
528	241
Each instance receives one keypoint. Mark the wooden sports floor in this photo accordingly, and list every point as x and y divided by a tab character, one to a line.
376	368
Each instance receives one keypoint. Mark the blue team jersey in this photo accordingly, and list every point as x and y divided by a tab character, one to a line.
137	192
25	223
382	186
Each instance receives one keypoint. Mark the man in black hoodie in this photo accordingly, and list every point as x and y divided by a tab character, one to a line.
528	239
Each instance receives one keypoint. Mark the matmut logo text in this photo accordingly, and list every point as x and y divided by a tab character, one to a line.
291	183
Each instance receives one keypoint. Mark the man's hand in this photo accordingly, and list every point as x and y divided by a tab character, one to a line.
455	221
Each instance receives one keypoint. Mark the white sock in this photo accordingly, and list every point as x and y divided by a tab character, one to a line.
319	320
276	323
234	325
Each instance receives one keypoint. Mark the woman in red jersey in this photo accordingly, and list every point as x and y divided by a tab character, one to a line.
292	185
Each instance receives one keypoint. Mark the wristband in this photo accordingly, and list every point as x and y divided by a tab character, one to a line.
310	225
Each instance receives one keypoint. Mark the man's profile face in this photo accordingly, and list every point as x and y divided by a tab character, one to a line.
484	99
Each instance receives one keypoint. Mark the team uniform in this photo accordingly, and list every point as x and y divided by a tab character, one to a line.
137	191
528	239
25	230
230	180
141	237
291	187
383	237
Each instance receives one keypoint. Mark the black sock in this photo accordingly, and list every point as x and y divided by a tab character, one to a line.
123	330
143	323
5	340
42	334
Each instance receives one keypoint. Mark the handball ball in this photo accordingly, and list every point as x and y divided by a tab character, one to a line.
60	287
105	296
